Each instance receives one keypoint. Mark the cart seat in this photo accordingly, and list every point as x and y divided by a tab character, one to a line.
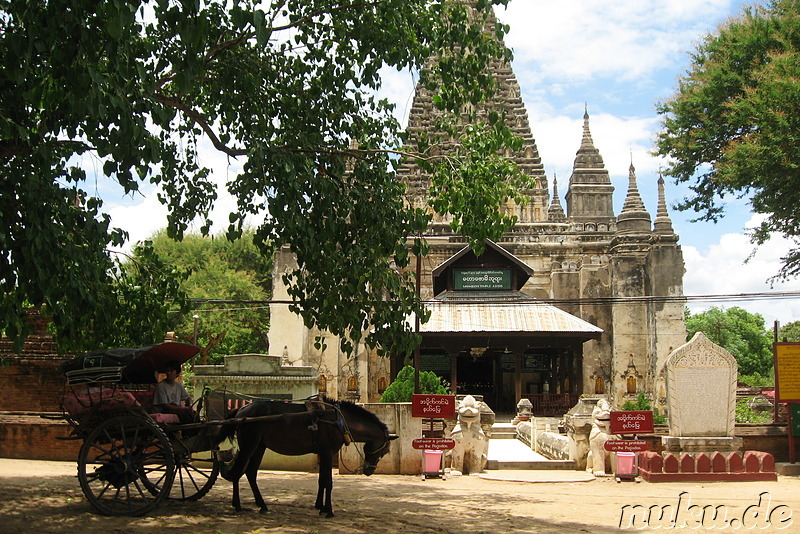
77	404
168	418
145	399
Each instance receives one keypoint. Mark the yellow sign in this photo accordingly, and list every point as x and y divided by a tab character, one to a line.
787	372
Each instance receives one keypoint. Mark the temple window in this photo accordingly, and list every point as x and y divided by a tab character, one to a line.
599	385
352	384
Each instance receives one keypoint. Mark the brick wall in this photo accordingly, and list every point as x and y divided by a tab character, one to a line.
31	380
31	383
33	438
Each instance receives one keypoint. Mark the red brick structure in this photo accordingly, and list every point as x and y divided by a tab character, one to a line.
716	467
32	385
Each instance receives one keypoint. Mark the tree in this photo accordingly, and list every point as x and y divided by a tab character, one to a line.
140	89
219	269
741	333
402	387
790	332
732	127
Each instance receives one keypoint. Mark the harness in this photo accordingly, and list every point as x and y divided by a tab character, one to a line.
314	404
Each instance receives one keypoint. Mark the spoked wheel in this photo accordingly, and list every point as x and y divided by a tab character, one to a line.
126	465
193	477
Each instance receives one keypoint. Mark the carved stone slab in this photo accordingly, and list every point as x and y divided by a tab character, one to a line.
701	389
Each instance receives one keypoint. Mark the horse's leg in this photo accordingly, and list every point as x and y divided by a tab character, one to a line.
237	505
325	483
252	475
320	490
240	464
234	475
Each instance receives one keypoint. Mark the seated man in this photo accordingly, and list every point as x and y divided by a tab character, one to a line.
171	397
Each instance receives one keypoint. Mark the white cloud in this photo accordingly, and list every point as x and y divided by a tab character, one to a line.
576	40
724	269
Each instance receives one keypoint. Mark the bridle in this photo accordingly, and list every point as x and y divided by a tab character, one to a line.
379	452
341	424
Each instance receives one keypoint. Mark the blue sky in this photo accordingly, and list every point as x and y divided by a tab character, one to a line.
619	58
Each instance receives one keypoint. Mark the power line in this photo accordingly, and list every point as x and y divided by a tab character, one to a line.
727	297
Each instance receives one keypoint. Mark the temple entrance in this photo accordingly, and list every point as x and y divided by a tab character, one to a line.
549	377
484	336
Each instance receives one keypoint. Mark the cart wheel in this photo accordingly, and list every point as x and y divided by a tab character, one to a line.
126	466
194	477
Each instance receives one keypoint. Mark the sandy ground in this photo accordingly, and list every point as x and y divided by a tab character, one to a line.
44	497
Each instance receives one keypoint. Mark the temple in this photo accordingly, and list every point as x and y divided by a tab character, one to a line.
568	302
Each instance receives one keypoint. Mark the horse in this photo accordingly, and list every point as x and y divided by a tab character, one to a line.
321	427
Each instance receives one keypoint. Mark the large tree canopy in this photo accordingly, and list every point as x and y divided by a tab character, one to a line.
141	89
219	269
733	128
790	332
740	332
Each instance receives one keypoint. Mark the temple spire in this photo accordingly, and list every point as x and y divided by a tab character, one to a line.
586	141
663	224
555	213
633	201
590	192
634	216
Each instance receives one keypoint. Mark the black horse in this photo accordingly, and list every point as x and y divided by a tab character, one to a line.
320	427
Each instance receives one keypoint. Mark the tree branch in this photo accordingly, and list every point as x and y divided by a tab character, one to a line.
198	119
10	148
310	16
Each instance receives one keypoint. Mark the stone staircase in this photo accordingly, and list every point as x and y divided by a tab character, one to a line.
508	453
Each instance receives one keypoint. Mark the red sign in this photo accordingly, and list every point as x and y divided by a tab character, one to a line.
436	444
632	422
621	445
441	406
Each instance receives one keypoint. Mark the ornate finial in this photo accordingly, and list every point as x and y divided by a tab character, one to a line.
633	201
587	141
633	218
555	212
662	224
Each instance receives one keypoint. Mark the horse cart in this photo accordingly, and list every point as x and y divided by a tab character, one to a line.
132	458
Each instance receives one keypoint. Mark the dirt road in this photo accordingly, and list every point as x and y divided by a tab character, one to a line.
44	497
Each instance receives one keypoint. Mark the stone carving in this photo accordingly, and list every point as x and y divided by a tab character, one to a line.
701	389
472	446
598	458
524	411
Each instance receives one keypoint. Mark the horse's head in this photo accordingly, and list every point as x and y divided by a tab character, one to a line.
374	451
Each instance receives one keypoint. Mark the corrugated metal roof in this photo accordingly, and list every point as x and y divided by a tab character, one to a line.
509	312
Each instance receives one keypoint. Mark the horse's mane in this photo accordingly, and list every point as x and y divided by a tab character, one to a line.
352	407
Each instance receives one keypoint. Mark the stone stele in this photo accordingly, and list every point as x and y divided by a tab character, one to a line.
701	389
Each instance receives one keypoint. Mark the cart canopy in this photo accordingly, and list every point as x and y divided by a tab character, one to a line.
137	365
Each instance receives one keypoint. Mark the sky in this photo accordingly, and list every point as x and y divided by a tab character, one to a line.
618	59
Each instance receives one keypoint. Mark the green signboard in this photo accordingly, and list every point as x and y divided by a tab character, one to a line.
434	362
508	362
795	407
536	362
482	279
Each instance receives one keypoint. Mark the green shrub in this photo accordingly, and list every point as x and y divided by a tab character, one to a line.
643	404
757	379
401	389
746	414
